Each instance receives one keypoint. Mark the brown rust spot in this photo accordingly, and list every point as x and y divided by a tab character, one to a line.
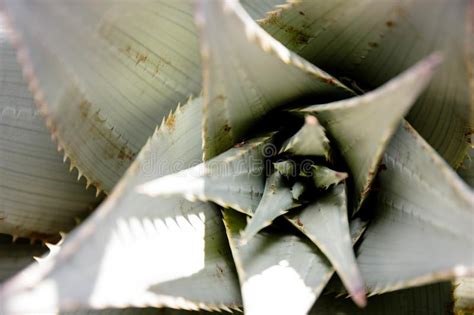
84	108
140	58
272	18
298	222
331	81
390	24
301	13
273	188
341	175
170	121
240	144
126	154
373	44
220	270
410	130
366	191
300	36
218	98
226	128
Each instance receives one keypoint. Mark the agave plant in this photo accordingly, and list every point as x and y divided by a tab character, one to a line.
246	156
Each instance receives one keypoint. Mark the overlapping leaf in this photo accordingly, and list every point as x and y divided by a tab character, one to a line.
368	42
105	73
310	140
248	76
38	195
279	273
324	177
235	178
136	250
362	126
277	199
422	230
325	222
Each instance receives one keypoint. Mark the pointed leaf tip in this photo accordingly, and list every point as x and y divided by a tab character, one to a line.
277	199
249	76
363	126
234	178
325	223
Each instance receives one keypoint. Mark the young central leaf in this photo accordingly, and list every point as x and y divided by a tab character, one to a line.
310	140
277	199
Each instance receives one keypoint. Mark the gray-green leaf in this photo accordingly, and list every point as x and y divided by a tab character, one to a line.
309	140
368	42
136	250
325	223
248	76
279	273
277	199
422	230
324	177
235	178
105	73
39	196
362	126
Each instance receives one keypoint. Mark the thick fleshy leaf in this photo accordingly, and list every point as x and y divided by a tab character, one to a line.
434	299
372	41
235	178
136	250
38	195
277	199
279	273
309	140
326	224
362	126
422	229
15	256
248	76
324	177
105	73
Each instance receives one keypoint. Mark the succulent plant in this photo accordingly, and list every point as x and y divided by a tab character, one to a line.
245	156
